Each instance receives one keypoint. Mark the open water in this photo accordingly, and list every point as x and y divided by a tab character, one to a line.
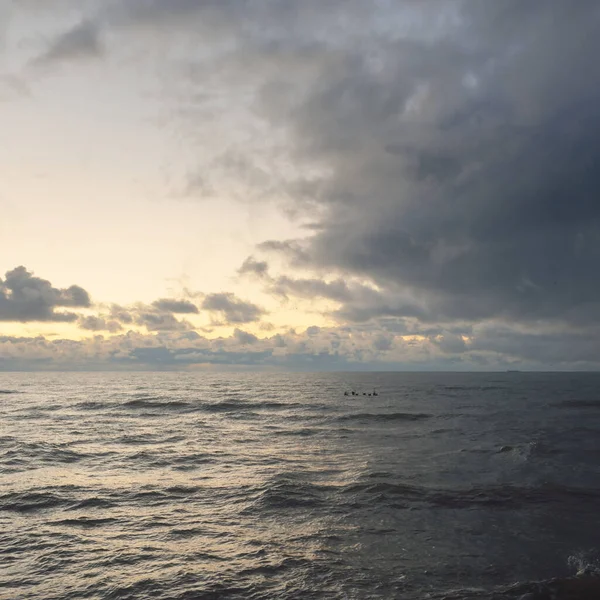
250	486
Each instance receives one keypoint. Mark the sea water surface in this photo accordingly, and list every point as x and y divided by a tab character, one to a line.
210	486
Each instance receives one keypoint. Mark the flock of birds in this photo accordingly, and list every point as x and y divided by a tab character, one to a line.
353	393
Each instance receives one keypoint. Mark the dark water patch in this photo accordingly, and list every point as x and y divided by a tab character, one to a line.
8	392
385	417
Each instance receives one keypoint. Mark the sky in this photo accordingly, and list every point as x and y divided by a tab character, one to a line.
299	185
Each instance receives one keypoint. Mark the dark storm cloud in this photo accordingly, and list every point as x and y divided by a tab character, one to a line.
175	306
464	169
552	349
24	298
232	308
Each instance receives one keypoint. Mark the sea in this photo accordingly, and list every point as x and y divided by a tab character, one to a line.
183	486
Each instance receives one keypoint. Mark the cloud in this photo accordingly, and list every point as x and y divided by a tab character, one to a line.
80	42
95	323
366	346
461	169
13	87
26	298
244	338
160	321
175	306
251	266
451	152
233	309
121	314
445	155
450	343
156	317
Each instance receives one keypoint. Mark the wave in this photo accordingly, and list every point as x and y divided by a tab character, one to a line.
164	403
93	502
578	404
31	501
235	405
285	493
156	403
475	388
400	495
22	456
7	392
83	522
304	432
144	439
384	417
93	405
581	587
